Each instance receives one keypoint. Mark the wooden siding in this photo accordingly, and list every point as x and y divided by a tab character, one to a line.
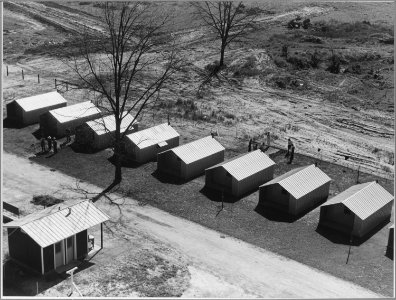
48	255
308	201
24	249
82	244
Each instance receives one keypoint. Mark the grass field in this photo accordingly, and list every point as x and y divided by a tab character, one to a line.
299	240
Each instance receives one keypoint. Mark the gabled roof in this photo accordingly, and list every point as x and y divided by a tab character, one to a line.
40	101
301	181
245	165
56	223
76	111
198	149
363	199
153	135
107	124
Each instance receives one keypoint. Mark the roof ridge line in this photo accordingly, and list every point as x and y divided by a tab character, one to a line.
357	191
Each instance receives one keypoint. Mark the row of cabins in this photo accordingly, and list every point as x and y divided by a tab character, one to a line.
356	211
92	130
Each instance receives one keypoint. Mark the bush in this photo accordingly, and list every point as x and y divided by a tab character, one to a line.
45	200
335	29
299	62
279	62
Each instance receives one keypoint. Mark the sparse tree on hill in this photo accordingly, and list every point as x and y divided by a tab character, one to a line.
228	20
126	69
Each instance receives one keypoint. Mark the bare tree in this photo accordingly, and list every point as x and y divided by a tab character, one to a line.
127	65
228	20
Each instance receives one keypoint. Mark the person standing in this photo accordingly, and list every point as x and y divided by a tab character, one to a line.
250	145
68	139
255	145
268	139
49	142
55	145
292	148
42	142
289	145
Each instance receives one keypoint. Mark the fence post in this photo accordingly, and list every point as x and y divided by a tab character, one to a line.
7	70
38	78
23	77
55	82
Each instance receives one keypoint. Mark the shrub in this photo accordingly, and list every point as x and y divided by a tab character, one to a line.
45	200
299	62
279	62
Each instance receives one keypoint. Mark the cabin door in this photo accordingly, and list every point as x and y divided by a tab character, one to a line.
59	254
69	249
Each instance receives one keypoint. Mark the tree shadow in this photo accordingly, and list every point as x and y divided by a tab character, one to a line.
339	237
216	196
167	178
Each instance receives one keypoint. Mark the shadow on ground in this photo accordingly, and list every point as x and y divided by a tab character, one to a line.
338	237
19	281
217	196
166	178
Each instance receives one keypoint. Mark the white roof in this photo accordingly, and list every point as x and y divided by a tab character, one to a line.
107	124
198	149
76	111
363	199
56	223
40	101
245	165
153	135
301	181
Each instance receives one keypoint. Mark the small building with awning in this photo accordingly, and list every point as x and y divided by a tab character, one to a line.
56	121
27	111
190	160
53	237
144	145
358	209
296	191
99	134
240	175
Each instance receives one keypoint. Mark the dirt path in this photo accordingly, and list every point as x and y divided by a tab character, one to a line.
219	266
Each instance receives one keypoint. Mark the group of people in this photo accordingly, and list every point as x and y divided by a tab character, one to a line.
49	145
290	147
254	145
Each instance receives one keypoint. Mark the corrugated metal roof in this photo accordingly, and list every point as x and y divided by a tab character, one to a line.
301	181
363	199
73	112
245	165
153	135
107	124
54	223
40	101
198	149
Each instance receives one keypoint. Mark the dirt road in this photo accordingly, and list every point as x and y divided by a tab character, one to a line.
219	266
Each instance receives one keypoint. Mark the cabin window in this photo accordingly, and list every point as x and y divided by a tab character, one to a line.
58	247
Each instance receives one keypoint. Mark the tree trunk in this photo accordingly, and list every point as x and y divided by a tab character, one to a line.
222	50
117	153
